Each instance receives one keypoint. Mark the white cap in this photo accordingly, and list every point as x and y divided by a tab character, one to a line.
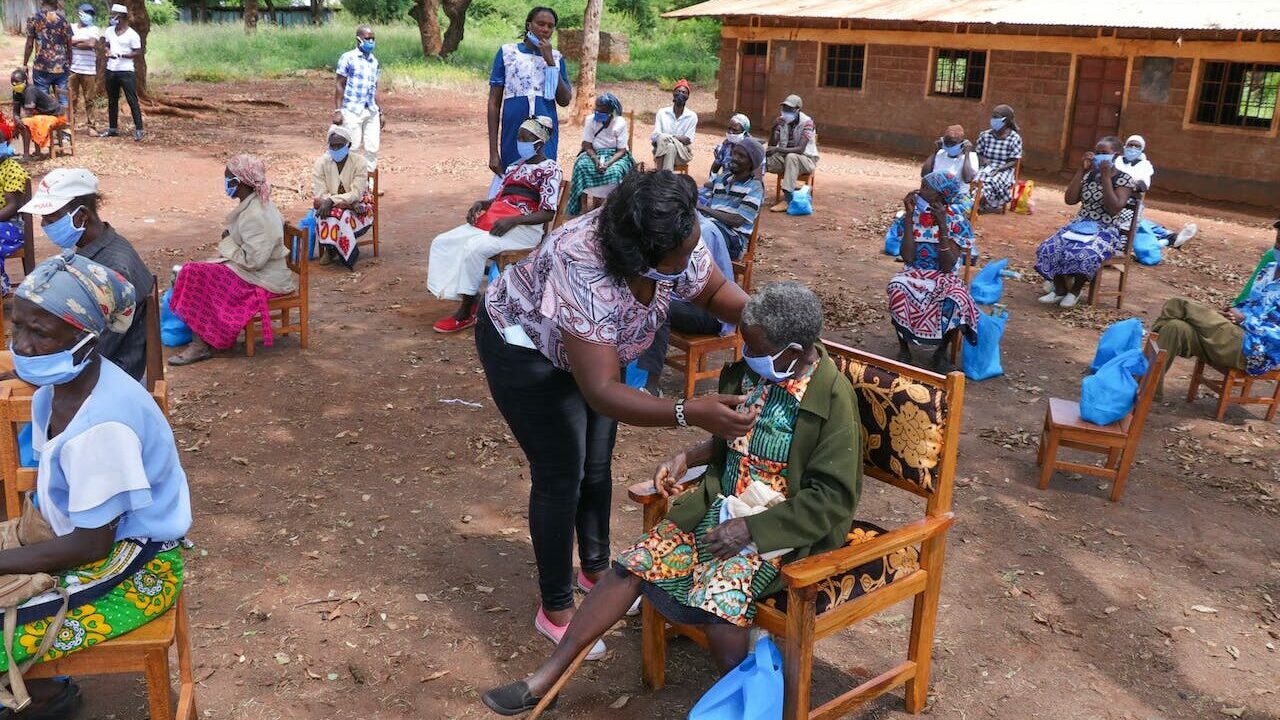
59	188
118	8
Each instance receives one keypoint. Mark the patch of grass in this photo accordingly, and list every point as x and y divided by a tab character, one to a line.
220	53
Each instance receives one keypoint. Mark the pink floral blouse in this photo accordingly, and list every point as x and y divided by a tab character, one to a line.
563	287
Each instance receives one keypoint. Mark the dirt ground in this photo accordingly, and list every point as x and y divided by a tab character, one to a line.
362	547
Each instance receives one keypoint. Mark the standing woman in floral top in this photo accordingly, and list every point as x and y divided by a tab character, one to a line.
529	78
999	150
557	329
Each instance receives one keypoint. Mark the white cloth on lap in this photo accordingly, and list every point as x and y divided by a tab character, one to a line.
458	257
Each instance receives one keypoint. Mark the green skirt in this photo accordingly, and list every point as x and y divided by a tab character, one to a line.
587	175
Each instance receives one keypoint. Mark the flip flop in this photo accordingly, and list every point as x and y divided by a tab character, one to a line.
179	361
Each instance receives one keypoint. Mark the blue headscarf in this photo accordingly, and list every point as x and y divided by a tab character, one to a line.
612	101
946	184
81	292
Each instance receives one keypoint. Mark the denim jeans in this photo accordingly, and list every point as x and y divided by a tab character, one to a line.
48	81
570	451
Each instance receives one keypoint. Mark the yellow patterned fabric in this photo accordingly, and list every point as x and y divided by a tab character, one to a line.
12	177
863	579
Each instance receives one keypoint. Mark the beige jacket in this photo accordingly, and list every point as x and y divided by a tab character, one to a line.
347	185
254	247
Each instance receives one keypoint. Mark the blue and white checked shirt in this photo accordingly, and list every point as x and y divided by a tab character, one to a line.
361	72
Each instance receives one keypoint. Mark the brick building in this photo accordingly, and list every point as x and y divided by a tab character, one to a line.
1197	78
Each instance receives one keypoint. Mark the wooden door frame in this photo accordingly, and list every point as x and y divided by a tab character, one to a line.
1073	84
737	86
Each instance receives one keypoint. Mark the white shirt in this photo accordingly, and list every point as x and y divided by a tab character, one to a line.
1142	171
946	163
84	62
666	123
118	44
606	138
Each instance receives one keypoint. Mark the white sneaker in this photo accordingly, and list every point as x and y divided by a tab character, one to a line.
1069	301
1048	286
1187	232
1051	298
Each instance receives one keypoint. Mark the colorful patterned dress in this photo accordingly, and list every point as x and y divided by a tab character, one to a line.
13	179
677	563
1080	247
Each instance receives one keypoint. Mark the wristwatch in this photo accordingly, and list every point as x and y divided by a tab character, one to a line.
680	419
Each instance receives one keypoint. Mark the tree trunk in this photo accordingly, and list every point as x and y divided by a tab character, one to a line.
200	13
456	11
586	89
250	15
317	11
271	13
140	21
427	13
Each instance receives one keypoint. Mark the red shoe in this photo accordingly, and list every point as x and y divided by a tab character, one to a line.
452	325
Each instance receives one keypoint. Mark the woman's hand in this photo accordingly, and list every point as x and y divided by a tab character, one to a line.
1086	163
544	47
476	208
909	202
669	473
503	226
1107	171
718	415
728	538
495	162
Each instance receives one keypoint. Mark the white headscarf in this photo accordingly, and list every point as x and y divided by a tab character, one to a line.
1142	171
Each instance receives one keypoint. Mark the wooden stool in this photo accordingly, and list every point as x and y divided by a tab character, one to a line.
1230	380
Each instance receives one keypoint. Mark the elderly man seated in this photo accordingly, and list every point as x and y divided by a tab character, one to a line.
784	491
674	128
793	148
341	200
1244	336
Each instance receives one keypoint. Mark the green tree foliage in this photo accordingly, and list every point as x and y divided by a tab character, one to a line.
378	11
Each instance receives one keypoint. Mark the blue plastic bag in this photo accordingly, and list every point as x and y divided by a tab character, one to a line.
1117	338
801	202
1108	395
308	223
1146	245
751	691
635	377
173	332
893	236
981	360
988	285
26	448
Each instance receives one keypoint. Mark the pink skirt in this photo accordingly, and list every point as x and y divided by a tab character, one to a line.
217	304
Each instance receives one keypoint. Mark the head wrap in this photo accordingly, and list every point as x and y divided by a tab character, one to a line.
82	293
946	184
682	83
252	171
540	126
1141	141
340	131
612	101
742	120
755	150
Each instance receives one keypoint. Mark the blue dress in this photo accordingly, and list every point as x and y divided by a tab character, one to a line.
522	74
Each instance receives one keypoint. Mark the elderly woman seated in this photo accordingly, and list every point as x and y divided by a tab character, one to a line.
605	157
927	301
112	498
1244	336
512	220
739	129
216	299
784	491
342	204
1074	254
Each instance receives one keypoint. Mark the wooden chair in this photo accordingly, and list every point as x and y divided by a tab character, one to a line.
806	179
832	591
969	261
1231	379
1118	263
145	650
154	377
511	257
1063	427
371	237
1017	178
56	144
27	253
281	308
975	191
690	353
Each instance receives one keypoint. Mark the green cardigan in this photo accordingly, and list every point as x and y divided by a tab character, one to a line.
824	475
1268	257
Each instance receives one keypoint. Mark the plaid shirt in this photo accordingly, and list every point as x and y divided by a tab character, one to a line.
361	72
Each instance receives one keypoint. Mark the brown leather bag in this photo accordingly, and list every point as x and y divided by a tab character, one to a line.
28	529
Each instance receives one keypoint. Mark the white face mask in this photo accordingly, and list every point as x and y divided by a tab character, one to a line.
734	137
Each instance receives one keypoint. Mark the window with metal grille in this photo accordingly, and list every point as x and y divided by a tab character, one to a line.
1238	94
959	73
755	49
844	65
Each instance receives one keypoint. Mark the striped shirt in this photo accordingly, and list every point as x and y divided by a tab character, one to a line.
740	198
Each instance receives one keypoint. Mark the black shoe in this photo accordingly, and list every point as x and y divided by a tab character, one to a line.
109	133
513	699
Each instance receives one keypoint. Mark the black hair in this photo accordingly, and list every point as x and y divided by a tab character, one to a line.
534	13
645	218
19	71
1113	141
90	202
1006	112
51	4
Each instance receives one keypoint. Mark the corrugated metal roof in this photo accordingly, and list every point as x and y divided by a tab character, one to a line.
1161	14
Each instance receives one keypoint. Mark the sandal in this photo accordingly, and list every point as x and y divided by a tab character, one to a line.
181	359
513	699
62	705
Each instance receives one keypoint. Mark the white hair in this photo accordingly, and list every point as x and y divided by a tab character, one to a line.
788	312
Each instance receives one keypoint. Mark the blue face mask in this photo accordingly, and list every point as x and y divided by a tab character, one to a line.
1132	155
656	276
1100	158
953	150
526	150
86	19
533	40
113	22
52	369
602	117
997	123
340	154
790	116
763	364
922	205
230	185
366	46
63	232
